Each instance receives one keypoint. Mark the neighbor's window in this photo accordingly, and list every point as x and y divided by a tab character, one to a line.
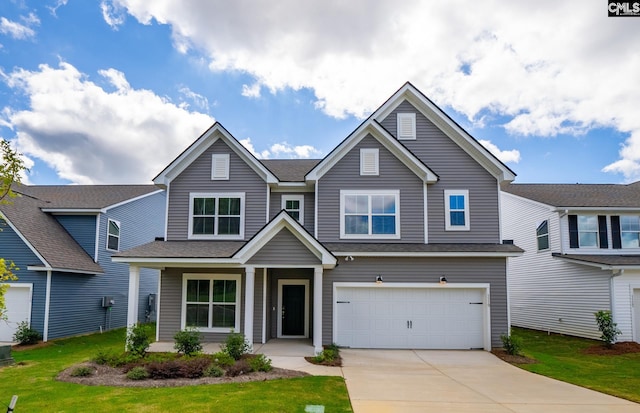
211	302
630	231
216	216
542	233
456	210
588	230
113	235
369	214
294	205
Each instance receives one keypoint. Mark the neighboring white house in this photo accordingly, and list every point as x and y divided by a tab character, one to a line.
582	254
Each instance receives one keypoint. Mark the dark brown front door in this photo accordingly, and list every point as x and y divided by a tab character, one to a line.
293	297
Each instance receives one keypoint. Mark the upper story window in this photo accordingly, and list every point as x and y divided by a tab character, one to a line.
630	231
369	159
369	214
294	205
216	216
542	234
587	230
456	210
406	125
113	235
220	167
211	302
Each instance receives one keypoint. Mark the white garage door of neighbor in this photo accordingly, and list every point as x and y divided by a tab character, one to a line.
413	318
18	301
636	313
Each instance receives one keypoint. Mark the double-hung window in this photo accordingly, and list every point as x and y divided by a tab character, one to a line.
113	235
370	214
456	204
588	230
211	302
216	216
630	231
294	205
542	233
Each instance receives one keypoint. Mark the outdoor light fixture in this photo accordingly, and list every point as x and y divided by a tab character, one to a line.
443	280
378	279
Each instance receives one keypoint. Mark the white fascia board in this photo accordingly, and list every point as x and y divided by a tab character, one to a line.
427	254
605	267
24	239
74	211
291	187
182	262
66	270
597	209
478	152
132	200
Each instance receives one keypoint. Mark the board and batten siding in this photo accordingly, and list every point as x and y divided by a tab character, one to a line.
548	293
82	228
275	206
394	175
284	249
623	305
197	178
456	170
422	270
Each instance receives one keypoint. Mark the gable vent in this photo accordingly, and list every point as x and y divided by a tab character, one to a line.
220	166
406	125
369	161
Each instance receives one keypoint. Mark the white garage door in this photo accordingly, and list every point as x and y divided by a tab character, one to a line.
636	313
18	301
416	318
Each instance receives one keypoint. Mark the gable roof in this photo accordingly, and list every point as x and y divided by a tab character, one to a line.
197	148
43	234
579	195
290	170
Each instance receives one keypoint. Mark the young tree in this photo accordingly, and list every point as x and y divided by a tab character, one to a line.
10	169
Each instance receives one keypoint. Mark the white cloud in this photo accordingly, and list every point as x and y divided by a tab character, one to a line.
112	13
54	9
544	68
509	156
252	91
91	136
17	30
200	101
282	150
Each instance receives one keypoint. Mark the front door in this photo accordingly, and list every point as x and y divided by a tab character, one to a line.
293	308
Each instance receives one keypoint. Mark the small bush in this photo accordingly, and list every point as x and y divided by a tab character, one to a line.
239	368
187	341
138	373
82	371
326	356
607	327
26	335
222	359
164	369
512	345
195	367
236	345
213	371
138	339
260	363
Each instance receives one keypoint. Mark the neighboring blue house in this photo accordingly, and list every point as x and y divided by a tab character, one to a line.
62	239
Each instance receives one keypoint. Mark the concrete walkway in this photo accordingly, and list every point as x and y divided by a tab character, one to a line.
461	381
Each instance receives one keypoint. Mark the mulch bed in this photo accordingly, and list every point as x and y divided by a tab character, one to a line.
512	359
336	362
624	347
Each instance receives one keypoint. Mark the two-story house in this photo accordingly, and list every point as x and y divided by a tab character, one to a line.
582	255
61	238
391	241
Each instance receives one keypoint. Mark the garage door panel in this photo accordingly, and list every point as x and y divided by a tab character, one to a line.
18	304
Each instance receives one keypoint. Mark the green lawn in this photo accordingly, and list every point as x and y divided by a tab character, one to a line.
560	357
33	380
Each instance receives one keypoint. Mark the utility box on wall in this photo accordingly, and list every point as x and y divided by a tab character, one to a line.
108	301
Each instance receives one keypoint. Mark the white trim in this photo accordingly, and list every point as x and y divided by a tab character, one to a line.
369	194
402	133
249	304
217	196
158	318
166	214
479	286
211	277
317	309
305	283
369	162
426	214
133	295
74	211
315	211
425	254
109	221
264	305
47	308
300	199
267	205
43	268
27	243
635	334
220	167
447	210
105	209
96	255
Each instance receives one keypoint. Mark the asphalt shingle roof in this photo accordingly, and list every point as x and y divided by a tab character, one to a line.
612	260
290	170
579	195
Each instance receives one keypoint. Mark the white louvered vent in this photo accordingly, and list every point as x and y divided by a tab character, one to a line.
220	166
369	161
406	125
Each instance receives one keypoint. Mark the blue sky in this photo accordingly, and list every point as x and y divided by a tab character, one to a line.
110	91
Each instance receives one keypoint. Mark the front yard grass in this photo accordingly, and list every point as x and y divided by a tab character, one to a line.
33	380
561	357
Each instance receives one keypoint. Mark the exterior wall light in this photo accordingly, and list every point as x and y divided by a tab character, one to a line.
378	279
443	280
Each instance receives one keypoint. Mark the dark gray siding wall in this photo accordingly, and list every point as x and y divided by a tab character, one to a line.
274	275
284	249
394	175
12	248
457	170
197	178
275	206
82	228
422	270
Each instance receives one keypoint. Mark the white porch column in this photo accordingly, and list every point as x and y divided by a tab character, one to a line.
317	309
134	289
248	304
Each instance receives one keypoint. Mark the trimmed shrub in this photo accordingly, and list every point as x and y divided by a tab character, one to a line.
138	339
222	359
82	371
511	344
213	371
607	327
164	369
236	345
260	363
195	367
25	334
187	341
239	368
138	373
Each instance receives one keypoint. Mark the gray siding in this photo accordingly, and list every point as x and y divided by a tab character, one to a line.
275	206
82	228
394	175
422	270
197	178
284	249
457	170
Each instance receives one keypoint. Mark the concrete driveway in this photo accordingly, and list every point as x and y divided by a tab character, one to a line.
461	381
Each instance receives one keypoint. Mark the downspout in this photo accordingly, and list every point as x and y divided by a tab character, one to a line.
47	303
612	295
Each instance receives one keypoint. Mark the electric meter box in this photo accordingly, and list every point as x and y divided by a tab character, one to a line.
108	301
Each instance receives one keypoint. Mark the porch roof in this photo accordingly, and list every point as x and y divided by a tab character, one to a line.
603	261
